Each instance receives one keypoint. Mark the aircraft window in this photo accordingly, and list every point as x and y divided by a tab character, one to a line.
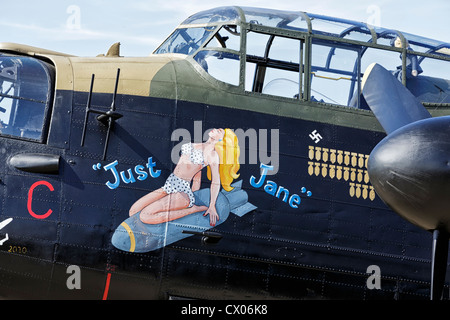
444	50
281	83
215	15
227	37
325	56
276	18
420	44
222	65
185	40
357	33
25	95
343	59
429	83
391	38
257	43
250	71
264	17
387	38
435	68
388	59
256	47
332	26
272	65
433	84
330	87
220	56
332	74
285	49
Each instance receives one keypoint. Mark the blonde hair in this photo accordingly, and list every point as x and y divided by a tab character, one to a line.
228	151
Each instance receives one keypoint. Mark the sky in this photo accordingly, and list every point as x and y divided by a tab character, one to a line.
88	28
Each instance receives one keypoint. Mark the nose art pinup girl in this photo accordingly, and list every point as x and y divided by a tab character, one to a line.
220	154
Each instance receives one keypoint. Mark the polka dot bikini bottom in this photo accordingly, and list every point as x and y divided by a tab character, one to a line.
174	184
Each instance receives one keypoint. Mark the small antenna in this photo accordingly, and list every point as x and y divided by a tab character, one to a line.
106	117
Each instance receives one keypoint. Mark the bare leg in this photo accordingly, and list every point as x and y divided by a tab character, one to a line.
146	200
172	206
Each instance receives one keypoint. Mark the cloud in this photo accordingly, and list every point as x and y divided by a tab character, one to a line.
64	33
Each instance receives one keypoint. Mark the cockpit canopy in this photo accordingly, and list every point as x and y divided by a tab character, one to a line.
299	21
307	56
26	86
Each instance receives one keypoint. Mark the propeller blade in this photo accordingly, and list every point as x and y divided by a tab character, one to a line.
409	168
438	263
391	102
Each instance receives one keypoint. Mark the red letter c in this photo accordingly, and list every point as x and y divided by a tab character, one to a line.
30	199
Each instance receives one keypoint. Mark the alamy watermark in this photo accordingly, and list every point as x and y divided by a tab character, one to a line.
374	279
73	21
74	280
257	146
374	18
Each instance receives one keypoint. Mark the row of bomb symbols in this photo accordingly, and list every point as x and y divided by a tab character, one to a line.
340	157
342	165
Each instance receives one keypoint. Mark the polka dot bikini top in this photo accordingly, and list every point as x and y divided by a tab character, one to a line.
195	155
